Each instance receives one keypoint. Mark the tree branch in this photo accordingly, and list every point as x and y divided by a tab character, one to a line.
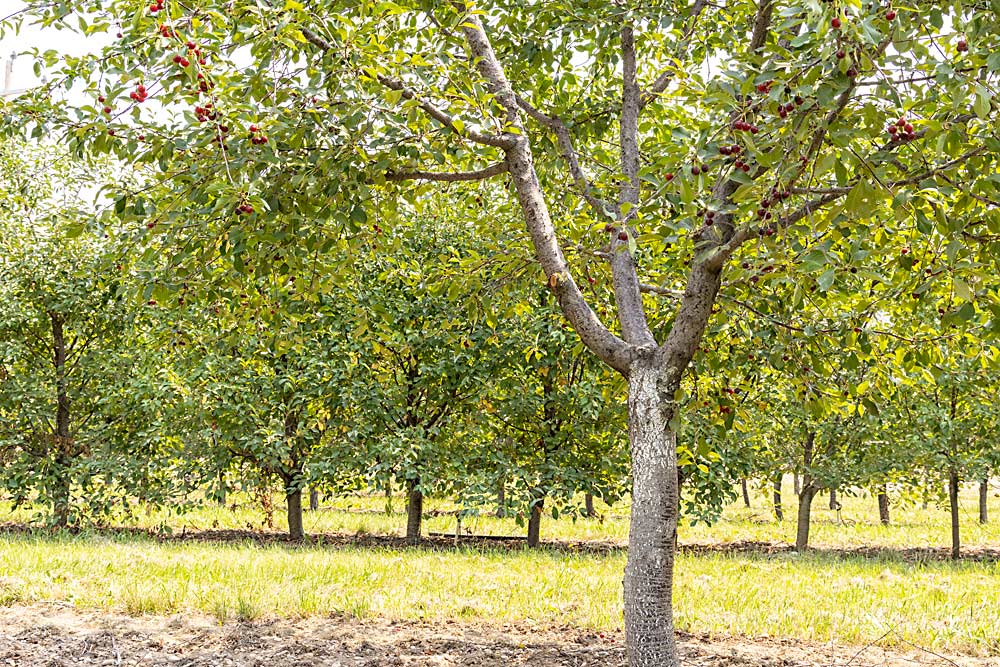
449	177
666	76
610	348
499	141
625	278
568	150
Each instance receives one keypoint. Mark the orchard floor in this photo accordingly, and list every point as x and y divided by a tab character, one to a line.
57	635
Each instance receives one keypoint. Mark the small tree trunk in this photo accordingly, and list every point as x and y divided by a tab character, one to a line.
778	514
796	483
806	495
414	510
501	500
883	506
221	497
588	505
834	505
746	493
63	441
984	493
805	511
313	500
956	544
293	501
535	522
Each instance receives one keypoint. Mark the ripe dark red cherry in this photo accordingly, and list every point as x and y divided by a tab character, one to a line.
890	15
623	236
836	23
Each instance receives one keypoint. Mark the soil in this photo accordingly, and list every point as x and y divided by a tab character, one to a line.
57	635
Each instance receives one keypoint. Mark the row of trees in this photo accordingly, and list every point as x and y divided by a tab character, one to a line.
402	370
828	167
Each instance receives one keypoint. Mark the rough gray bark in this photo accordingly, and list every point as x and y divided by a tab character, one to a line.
796	483
834	505
293	504
313	500
588	505
883	506
746	493
535	522
414	510
778	514
956	542
984	493
63	440
649	624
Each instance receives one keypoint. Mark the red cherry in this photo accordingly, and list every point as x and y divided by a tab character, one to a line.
841	54
111	133
893	129
695	170
184	62
962	46
669	176
890	15
835	23
908	127
623	236
107	110
191	45
177	59
101	99
900	122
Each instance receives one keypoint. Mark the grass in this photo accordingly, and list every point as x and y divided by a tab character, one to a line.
856	526
940	605
818	596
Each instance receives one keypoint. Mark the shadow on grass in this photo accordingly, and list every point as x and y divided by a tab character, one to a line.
758	550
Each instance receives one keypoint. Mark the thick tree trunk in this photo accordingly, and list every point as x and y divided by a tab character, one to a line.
293	502
535	521
746	493
984	494
956	543
588	505
63	441
883	506
313	500
649	623
834	505
414	510
778	514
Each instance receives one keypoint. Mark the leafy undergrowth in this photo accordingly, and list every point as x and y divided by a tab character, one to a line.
60	637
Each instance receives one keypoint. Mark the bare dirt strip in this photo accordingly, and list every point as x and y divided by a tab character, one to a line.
57	635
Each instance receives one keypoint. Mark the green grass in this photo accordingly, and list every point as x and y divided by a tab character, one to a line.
940	605
818	596
856	526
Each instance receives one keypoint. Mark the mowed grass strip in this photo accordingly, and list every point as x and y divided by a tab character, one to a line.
939	605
